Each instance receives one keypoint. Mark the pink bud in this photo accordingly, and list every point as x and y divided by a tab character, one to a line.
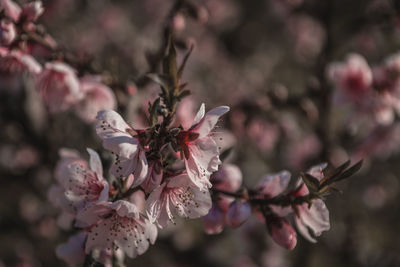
214	222
59	86
238	213
7	32
31	11
227	178
282	233
178	22
11	9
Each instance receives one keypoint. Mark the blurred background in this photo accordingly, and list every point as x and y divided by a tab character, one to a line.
268	60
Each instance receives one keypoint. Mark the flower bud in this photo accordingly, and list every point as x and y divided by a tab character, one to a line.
214	221
282	233
238	213
227	178
32	11
7	32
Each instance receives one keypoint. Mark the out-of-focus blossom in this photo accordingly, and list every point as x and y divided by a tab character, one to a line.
314	219
282	233
59	86
11	9
7	32
309	36
238	213
118	137
16	62
32	11
228	178
214	221
97	97
178	196
73	251
200	151
353	76
264	134
118	224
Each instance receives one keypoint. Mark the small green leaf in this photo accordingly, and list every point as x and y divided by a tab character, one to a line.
350	172
182	66
311	182
183	94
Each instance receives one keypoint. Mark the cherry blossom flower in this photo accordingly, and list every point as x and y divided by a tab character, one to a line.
200	151
84	186
354	76
59	86
11	9
32	11
97	97
119	138
177	195
16	62
314	219
118	225
7	32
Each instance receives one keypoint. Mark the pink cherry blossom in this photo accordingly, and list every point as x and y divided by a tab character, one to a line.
118	225
238	213
282	233
73	251
214	221
84	186
354	76
7	32
97	97
67	157
316	217
200	151
154	177
11	9
32	11
59	86
118	137
16	62
177	196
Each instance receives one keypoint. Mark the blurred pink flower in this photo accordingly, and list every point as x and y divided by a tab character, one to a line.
214	221
178	196
16	62
97	96
118	224
73	251
32	11
11	9
118	137
354	76
7	32
238	213
59	86
228	178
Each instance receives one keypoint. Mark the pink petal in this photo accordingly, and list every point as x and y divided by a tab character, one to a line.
274	184
283	234
73	251
227	178
207	123
238	213
214	221
95	163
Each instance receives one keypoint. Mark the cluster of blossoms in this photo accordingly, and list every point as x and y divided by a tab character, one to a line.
371	92
57	82
160	172
186	183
